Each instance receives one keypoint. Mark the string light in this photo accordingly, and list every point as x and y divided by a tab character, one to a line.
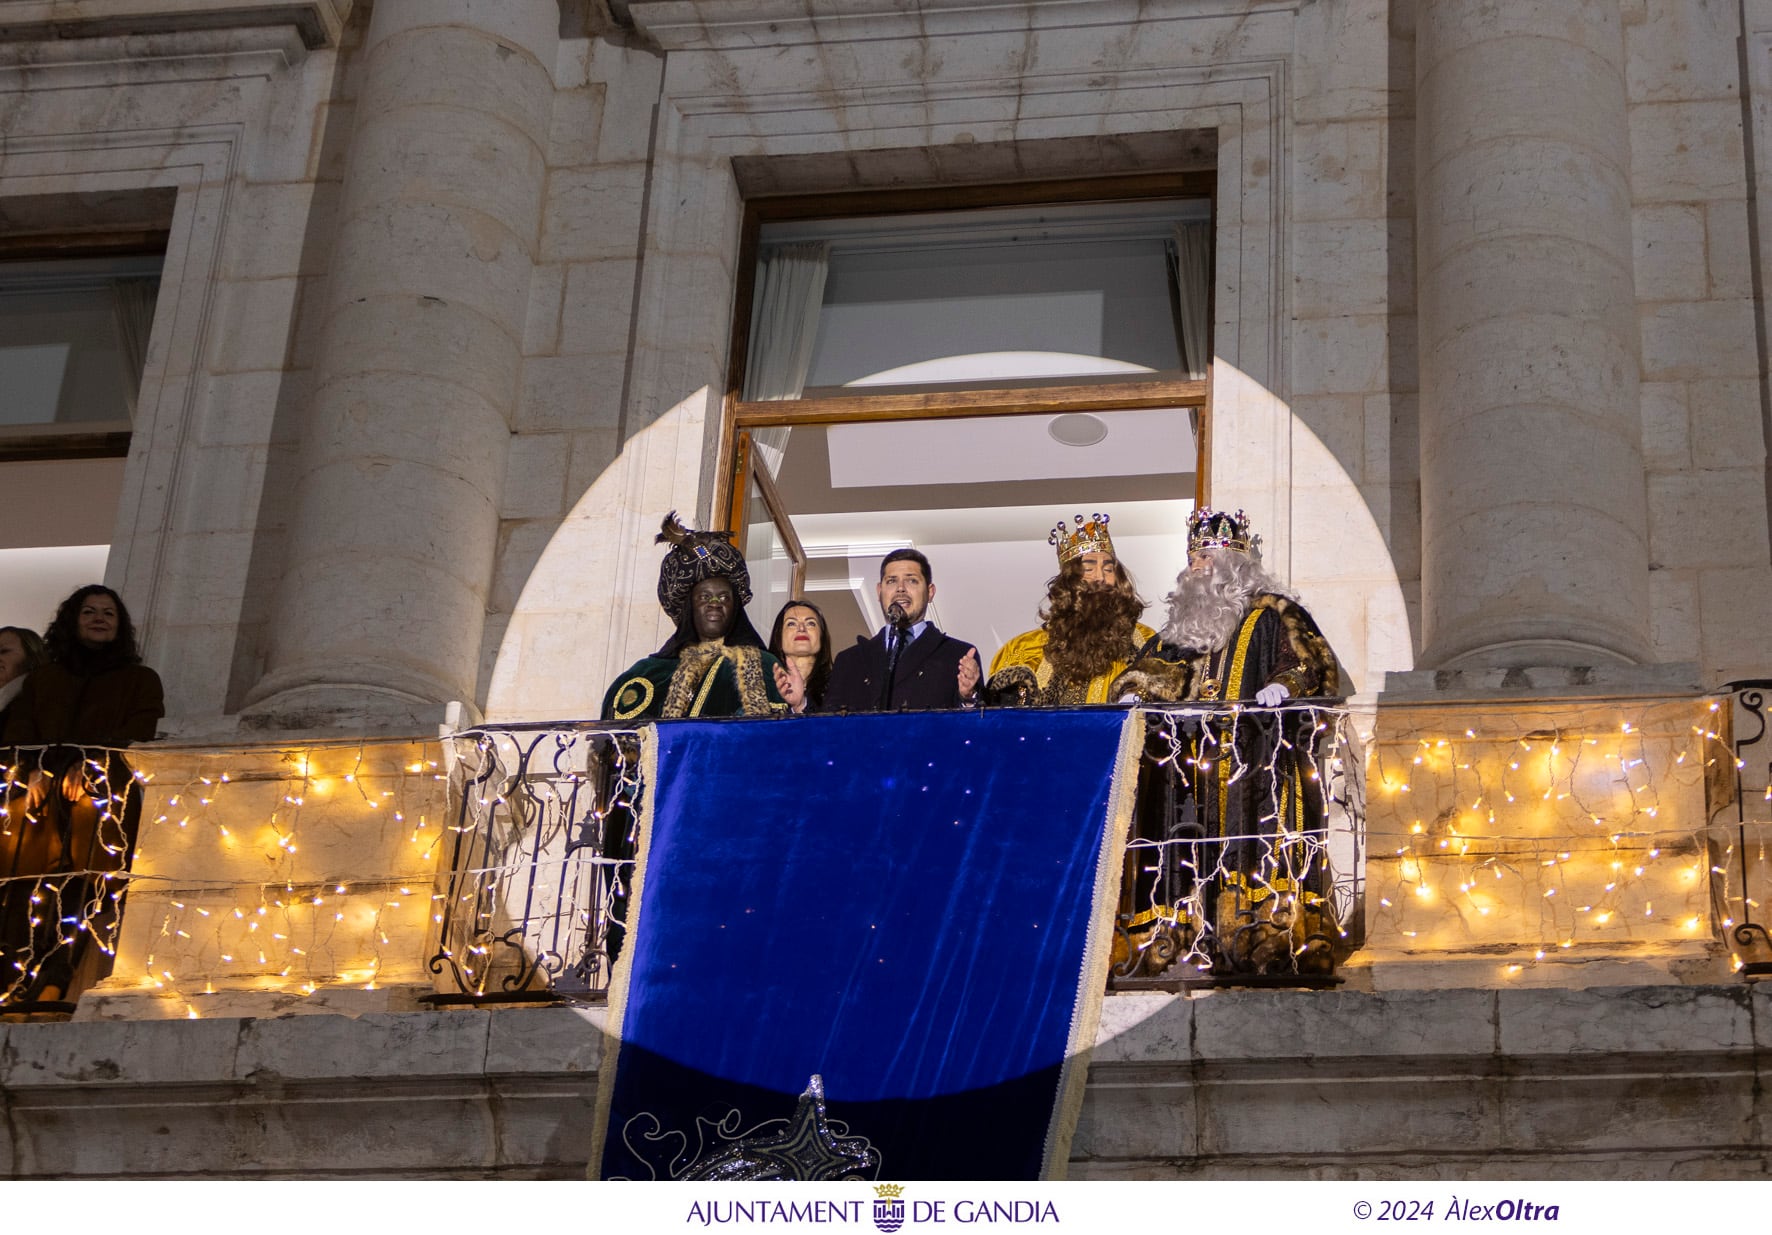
1599	836
1248	881
247	914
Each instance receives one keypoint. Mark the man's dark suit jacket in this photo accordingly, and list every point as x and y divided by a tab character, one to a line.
926	677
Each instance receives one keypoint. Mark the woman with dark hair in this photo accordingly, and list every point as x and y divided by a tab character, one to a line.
798	640
21	651
94	691
74	816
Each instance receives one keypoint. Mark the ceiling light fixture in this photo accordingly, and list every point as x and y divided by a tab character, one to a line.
1077	429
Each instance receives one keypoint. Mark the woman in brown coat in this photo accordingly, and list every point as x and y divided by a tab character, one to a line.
72	808
94	691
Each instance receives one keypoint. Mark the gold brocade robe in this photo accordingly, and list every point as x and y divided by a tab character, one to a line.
1021	665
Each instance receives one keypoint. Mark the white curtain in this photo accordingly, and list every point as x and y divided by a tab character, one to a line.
132	304
1193	264
784	326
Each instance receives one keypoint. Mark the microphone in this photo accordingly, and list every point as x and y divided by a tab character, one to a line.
899	619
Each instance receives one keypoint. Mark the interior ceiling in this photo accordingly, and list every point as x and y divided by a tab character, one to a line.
978	472
979	449
980	494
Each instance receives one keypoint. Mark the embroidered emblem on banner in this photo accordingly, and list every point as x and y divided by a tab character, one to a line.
805	1146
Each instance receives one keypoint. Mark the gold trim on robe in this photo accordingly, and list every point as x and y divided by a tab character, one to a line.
1027	652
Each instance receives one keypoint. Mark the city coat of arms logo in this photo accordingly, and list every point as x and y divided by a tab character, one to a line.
888	1207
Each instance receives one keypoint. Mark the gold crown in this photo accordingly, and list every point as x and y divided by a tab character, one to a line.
889	1190
1214	529
1091	536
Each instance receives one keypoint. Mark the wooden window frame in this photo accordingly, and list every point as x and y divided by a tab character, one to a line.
746	462
739	415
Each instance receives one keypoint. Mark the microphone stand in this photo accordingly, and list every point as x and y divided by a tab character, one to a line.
899	622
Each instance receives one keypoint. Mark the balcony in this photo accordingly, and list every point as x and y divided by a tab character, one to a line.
1622	870
1498	847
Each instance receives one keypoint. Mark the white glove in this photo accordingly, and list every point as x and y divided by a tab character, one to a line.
1128	697
1272	695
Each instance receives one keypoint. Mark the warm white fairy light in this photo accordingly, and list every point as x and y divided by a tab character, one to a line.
1550	778
214	929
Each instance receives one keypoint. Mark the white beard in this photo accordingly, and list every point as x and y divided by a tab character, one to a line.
1202	614
1205	608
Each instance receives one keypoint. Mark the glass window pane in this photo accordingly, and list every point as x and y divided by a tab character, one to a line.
73	338
1081	309
1017	295
979	495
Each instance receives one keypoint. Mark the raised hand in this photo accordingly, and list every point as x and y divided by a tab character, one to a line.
969	673
792	685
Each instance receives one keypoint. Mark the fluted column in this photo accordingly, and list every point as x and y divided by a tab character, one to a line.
381	606
1534	514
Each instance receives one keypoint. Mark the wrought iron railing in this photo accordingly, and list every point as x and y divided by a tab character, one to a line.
544	838
1242	867
69	817
1743	863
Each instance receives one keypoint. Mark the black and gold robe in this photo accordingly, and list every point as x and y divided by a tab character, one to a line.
1237	794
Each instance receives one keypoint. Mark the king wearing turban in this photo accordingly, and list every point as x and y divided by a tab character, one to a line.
714	663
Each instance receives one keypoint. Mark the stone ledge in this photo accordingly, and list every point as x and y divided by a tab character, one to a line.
1542	682
1629	1082
318	22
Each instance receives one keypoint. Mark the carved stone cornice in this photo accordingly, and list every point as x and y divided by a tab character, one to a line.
318	23
680	25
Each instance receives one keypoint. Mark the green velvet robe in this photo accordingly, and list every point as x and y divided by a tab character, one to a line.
705	679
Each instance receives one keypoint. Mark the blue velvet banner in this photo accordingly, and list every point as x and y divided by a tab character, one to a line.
915	908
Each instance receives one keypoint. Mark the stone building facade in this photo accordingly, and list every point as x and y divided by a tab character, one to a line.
444	326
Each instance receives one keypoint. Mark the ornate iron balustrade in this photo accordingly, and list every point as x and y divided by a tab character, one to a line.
544	834
69	818
1242	867
1738	910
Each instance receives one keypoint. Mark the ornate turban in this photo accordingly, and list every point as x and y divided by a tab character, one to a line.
695	556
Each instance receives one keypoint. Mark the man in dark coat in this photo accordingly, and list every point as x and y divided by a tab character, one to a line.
909	664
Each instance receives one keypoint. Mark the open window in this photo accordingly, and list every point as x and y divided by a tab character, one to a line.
76	311
955	372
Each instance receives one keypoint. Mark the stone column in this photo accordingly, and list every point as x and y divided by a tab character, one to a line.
380	610
1534	519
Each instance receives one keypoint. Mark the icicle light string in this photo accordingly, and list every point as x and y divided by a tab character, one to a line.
1558	831
1242	878
208	927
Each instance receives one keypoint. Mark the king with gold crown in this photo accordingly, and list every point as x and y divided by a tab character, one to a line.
1089	629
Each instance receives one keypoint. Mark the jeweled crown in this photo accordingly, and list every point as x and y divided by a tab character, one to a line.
1214	529
1090	536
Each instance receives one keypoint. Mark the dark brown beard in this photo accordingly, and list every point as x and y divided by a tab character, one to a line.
1089	628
